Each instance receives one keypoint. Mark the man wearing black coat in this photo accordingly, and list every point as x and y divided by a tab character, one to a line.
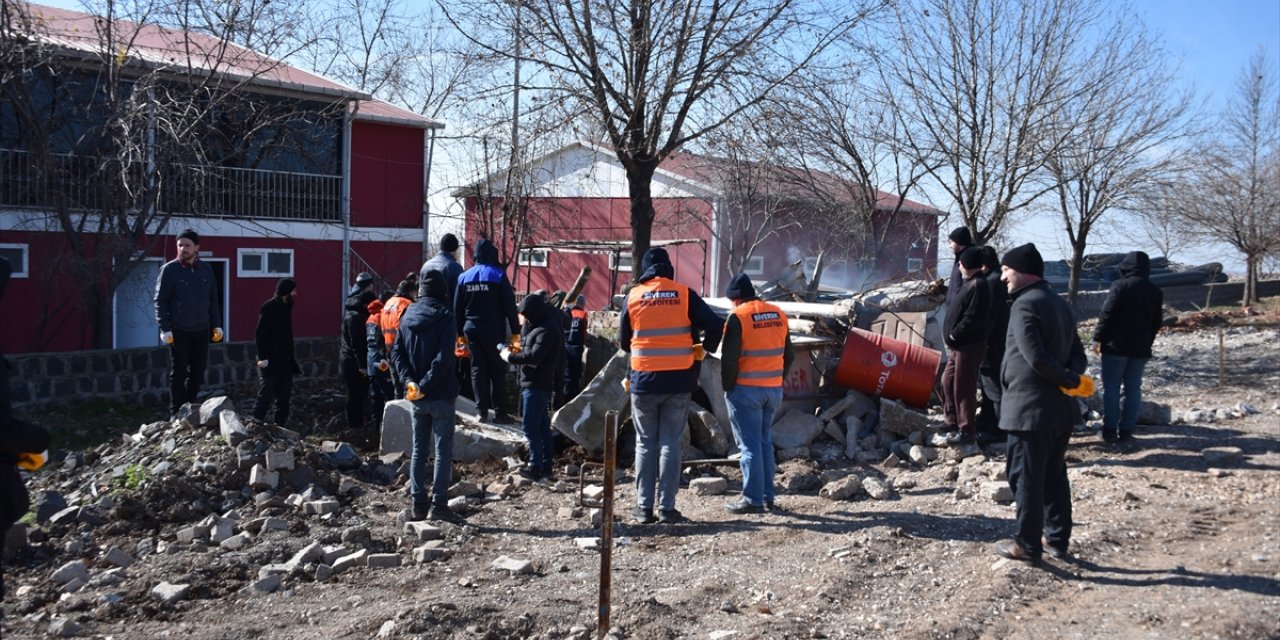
989	372
965	333
484	308
536	362
1130	319
1043	373
959	239
353	352
276	361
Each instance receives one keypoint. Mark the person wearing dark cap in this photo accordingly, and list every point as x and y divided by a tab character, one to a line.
659	327
575	347
445	263
364	282
1043	374
965	332
422	355
276	362
353	353
536	362
485	310
959	239
989	372
189	316
754	359
1127	327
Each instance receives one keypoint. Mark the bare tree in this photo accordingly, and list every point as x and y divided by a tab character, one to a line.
658	74
1233	195
980	86
1123	135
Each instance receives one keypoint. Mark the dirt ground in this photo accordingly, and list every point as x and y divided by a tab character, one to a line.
1168	543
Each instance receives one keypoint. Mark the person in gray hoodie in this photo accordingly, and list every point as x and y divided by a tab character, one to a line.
1127	327
422	355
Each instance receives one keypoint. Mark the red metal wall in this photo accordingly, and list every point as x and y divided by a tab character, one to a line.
386	175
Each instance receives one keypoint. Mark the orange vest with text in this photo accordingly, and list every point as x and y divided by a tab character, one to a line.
391	313
660	330
764	338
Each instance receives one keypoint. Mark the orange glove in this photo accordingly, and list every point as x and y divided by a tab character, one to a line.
626	385
217	334
514	345
383	365
699	352
166	337
1083	389
30	461
412	392
460	348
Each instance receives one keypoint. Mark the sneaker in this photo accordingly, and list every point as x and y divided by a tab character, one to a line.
1059	552
743	505
642	516
445	514
529	473
671	516
1109	436
501	418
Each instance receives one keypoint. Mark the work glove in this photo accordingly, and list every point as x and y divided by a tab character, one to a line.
460	348
31	461
626	384
411	392
166	337
383	365
217	334
1097	348
515	343
1083	389
699	352
505	354
262	364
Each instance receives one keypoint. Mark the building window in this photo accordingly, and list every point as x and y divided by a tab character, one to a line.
754	266
914	264
265	263
620	261
533	257
16	254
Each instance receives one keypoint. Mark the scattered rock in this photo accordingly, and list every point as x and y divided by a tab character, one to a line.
511	565
170	593
708	486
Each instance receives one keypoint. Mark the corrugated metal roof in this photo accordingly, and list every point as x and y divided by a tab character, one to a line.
379	111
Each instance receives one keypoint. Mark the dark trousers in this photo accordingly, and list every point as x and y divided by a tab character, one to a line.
381	391
278	388
488	377
960	387
1037	470
989	409
537	428
357	393
572	371
188	355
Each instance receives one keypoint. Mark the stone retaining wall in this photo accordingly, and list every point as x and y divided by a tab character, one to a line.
142	375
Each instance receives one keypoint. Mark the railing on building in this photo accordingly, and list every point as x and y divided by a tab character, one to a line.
189	190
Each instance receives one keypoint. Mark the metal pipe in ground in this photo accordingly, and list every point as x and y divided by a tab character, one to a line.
1222	356
606	523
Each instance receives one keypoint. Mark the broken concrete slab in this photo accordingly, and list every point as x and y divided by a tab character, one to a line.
896	417
795	429
708	486
707	434
397	427
709	380
169	593
478	441
232	429
511	565
582	419
210	413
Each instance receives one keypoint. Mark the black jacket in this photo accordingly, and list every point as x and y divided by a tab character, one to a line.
1133	312
16	437
543	346
968	314
274	337
999	322
1042	354
353	349
423	349
485	305
187	297
444	263
957	279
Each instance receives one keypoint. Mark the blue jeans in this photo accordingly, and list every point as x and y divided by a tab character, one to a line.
537	428
660	420
433	424
1117	370
751	411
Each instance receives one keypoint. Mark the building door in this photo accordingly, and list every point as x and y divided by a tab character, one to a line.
135	309
221	283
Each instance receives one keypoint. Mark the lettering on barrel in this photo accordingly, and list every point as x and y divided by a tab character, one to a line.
890	360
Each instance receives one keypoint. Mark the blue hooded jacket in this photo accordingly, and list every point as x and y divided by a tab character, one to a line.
484	299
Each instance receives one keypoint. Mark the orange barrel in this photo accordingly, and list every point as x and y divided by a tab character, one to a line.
886	367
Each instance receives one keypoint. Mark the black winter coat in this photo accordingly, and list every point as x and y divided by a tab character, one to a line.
999	321
274	338
1042	354
16	437
1133	312
543	347
353	350
968	314
423	349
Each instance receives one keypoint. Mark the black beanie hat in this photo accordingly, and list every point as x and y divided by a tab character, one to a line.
285	287
449	243
962	237
1025	259
990	259
740	288
191	235
432	285
971	258
656	255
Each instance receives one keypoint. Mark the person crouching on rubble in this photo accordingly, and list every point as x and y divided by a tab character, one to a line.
658	327
754	358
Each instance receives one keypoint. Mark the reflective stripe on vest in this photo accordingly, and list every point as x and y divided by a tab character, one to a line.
391	314
658	310
764	338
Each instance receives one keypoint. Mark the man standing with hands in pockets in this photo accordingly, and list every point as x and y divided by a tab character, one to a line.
187	309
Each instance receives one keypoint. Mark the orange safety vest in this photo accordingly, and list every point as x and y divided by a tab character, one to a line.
764	339
391	313
660	328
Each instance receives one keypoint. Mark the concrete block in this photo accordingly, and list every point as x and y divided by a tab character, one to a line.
511	565
237	542
383	560
233	431
170	593
117	557
795	429
397	428
357	559
210	413
280	460
73	570
708	486
260	478
423	530
266	584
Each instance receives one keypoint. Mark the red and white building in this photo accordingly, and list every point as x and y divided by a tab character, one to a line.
354	201
578	215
